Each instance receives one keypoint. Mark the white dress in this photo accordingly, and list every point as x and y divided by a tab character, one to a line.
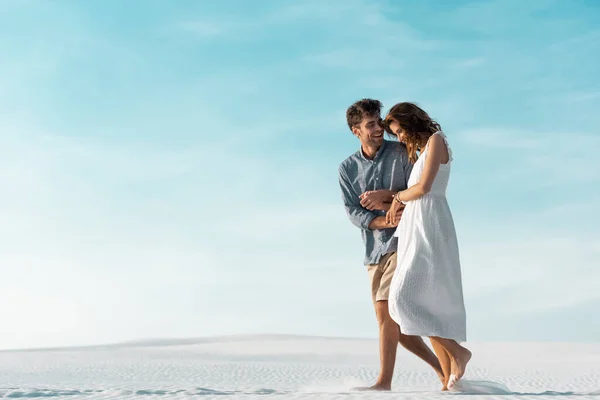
426	296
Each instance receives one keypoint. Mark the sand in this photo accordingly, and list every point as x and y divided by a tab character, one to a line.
271	366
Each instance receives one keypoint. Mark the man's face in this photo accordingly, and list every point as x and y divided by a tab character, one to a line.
370	131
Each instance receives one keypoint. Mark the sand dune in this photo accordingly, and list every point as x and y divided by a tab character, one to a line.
283	366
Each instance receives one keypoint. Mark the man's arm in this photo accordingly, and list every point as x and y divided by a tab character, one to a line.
377	199
358	215
381	223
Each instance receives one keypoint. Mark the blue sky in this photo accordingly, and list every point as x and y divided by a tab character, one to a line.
169	169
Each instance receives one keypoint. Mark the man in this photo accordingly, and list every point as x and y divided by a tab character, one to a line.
368	180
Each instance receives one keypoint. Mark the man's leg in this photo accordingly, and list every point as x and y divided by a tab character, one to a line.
388	343
388	330
389	335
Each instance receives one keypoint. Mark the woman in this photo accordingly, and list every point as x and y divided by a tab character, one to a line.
426	297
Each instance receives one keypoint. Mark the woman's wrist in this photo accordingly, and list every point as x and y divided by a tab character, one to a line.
397	197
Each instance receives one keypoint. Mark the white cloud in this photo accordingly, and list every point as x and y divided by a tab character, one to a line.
535	158
370	27
539	252
537	271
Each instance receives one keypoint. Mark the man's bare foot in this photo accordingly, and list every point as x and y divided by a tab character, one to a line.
375	387
459	365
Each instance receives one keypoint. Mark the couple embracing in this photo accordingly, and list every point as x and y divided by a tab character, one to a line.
395	192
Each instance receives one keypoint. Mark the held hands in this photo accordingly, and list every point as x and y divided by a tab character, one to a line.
383	200
376	199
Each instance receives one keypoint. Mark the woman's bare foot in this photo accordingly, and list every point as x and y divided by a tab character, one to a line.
460	359
444	380
445	385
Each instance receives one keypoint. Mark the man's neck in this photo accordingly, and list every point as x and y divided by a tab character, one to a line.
370	151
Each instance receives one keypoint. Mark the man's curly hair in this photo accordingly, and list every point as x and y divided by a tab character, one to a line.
361	109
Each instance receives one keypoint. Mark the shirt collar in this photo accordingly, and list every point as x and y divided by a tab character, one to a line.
380	151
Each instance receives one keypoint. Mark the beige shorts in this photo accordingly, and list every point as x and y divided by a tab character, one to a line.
381	276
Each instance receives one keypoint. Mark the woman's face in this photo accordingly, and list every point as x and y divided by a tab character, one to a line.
398	131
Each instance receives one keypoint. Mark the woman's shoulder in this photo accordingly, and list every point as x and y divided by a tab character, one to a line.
439	133
439	140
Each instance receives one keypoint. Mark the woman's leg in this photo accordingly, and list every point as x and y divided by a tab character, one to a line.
459	358
445	362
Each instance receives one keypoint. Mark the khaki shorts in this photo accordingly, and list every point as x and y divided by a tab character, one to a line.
381	276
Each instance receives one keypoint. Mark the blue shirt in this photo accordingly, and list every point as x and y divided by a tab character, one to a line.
389	169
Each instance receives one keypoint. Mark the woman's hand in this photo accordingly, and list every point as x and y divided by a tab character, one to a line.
394	213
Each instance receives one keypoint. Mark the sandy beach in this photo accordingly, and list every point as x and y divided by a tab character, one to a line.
278	366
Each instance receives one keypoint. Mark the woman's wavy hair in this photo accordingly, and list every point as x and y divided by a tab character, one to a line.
416	124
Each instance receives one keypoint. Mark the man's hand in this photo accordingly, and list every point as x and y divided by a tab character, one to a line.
376	199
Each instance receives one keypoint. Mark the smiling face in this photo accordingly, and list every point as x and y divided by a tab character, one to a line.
397	130
369	131
411	125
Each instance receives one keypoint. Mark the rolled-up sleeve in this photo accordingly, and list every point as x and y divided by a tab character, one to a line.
358	215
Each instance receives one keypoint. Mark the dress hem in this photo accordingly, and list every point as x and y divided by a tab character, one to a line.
458	339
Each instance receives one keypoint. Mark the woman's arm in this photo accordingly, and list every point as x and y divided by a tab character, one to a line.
437	151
